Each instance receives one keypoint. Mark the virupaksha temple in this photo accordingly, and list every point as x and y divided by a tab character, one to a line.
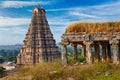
100	42
39	44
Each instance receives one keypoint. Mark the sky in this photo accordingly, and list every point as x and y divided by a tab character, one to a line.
15	16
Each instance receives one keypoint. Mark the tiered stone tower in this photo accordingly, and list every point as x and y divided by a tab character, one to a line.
38	44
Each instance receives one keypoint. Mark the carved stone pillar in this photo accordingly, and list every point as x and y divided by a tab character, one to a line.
74	52
83	50
96	52
104	50
119	51
109	59
114	45
88	51
64	55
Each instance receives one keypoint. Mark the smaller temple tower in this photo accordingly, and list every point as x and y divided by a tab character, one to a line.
39	44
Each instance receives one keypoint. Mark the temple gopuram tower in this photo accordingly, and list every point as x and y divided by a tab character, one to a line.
39	44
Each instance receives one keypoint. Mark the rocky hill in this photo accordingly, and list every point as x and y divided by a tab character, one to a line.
10	47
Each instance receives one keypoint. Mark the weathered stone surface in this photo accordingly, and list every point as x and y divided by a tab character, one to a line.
64	55
96	52
97	36
38	44
109	44
88	51
104	52
83	48
74	52
114	43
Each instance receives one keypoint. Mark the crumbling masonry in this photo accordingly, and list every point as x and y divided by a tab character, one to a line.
108	43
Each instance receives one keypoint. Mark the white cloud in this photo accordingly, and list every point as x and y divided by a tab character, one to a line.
9	21
19	4
103	12
58	21
12	35
108	11
83	15
66	9
15	30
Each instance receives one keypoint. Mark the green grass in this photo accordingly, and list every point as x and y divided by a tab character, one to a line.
80	59
56	71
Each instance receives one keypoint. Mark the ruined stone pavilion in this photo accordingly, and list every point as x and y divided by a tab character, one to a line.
100	42
39	44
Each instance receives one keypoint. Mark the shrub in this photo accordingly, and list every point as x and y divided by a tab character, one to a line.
2	71
70	59
81	58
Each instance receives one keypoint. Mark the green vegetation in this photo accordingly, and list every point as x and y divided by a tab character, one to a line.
80	59
70	56
5	53
8	55
2	71
56	71
93	27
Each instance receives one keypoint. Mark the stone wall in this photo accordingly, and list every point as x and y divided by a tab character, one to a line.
110	43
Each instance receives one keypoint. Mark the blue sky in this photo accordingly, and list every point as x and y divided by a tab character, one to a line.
15	15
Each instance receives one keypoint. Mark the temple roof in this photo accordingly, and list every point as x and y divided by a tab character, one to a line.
38	9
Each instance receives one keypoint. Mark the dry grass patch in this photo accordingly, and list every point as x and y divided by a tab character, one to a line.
56	71
93	27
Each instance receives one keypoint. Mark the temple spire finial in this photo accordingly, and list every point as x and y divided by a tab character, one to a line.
37	4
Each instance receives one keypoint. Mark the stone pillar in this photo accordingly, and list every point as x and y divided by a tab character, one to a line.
109	53
84	47
88	51
83	50
114	45
96	52
64	55
104	55
119	51
74	52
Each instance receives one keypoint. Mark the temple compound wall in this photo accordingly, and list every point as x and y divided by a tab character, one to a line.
90	44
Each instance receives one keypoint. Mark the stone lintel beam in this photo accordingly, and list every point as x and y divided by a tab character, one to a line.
65	39
64	43
88	51
96	52
114	44
64	54
74	45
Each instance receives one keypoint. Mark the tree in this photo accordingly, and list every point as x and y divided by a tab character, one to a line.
2	71
1	60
